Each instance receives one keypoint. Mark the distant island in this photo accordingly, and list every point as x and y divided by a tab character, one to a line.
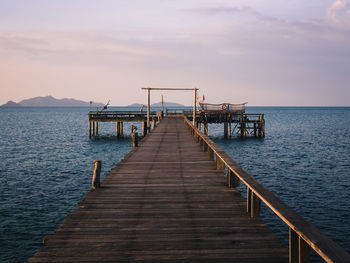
158	104
50	101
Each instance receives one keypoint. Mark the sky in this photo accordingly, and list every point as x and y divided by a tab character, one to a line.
264	52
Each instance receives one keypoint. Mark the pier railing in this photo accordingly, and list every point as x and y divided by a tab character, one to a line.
119	114
302	234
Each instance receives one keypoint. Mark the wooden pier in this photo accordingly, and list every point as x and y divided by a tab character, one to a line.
169	200
233	120
119	117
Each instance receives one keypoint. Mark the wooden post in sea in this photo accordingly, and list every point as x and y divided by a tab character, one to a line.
117	129
93	128
134	137
225	129
90	129
96	175
96	127
243	123
261	130
255	129
144	128
121	128
229	129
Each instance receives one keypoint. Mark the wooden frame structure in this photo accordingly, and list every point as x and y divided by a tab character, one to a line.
169	89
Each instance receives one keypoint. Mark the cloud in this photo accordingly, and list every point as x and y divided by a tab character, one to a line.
338	13
245	10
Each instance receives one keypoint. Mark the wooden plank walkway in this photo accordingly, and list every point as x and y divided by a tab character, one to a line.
165	202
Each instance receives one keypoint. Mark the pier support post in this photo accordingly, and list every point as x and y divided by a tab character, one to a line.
243	123
90	129
134	137
93	128
96	175
117	128
229	129
96	127
121	128
144	128
154	123
225	129
255	129
261	132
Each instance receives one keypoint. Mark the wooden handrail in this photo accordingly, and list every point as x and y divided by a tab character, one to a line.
301	232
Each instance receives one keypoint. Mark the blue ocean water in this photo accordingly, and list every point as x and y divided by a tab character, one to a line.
47	157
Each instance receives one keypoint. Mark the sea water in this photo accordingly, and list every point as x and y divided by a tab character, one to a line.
47	160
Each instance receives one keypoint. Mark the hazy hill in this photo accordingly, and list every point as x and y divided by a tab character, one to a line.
11	103
50	101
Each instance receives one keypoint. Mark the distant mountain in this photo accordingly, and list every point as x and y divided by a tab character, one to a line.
158	104
50	101
167	104
135	105
11	103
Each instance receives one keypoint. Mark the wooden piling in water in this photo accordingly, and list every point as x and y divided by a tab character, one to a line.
144	128
229	129
90	129
243	125
96	127
225	129
117	129
134	137
96	175
121	127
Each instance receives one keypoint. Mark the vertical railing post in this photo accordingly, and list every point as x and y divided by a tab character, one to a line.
232	179
299	250
253	203
256	204
293	246
205	146
219	163
211	153
96	175
304	251
249	200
